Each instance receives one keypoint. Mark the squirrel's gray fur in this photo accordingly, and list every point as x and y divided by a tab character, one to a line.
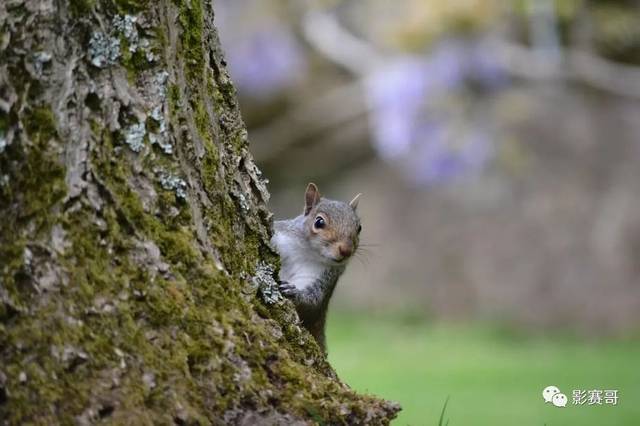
312	259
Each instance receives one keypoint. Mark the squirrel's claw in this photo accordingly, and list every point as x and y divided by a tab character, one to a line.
286	288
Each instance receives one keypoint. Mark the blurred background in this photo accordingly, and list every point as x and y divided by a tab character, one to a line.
497	145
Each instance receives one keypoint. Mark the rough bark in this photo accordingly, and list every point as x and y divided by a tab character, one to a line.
136	281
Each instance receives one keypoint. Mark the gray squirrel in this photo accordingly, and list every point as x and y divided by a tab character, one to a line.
314	249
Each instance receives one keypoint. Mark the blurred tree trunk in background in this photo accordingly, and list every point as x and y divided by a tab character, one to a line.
135	276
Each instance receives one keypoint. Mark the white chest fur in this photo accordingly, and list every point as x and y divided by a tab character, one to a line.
299	265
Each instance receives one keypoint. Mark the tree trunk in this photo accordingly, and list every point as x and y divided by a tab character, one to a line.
136	281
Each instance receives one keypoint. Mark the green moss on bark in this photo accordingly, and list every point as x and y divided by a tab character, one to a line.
81	7
131	6
41	183
125	301
191	19
35	185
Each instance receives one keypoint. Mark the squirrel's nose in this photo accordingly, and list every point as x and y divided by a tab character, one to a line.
345	249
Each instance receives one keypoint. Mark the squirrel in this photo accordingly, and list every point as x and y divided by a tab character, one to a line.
314	249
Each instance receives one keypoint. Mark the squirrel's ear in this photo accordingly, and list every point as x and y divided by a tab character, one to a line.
311	198
354	203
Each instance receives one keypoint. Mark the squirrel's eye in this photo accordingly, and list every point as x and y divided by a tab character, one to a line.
319	223
359	228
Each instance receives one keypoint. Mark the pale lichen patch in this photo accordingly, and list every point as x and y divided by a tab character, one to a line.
160	137
173	183
104	50
134	136
264	281
127	25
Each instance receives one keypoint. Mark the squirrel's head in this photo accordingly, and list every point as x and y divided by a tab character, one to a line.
333	227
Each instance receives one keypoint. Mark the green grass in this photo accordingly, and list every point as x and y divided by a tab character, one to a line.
491	377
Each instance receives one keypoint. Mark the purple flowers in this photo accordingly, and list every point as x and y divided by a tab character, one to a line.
265	62
419	104
411	123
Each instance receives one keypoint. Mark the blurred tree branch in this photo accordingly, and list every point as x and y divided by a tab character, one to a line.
327	36
577	65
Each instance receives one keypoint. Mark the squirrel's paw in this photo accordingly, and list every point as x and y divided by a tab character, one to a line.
287	288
